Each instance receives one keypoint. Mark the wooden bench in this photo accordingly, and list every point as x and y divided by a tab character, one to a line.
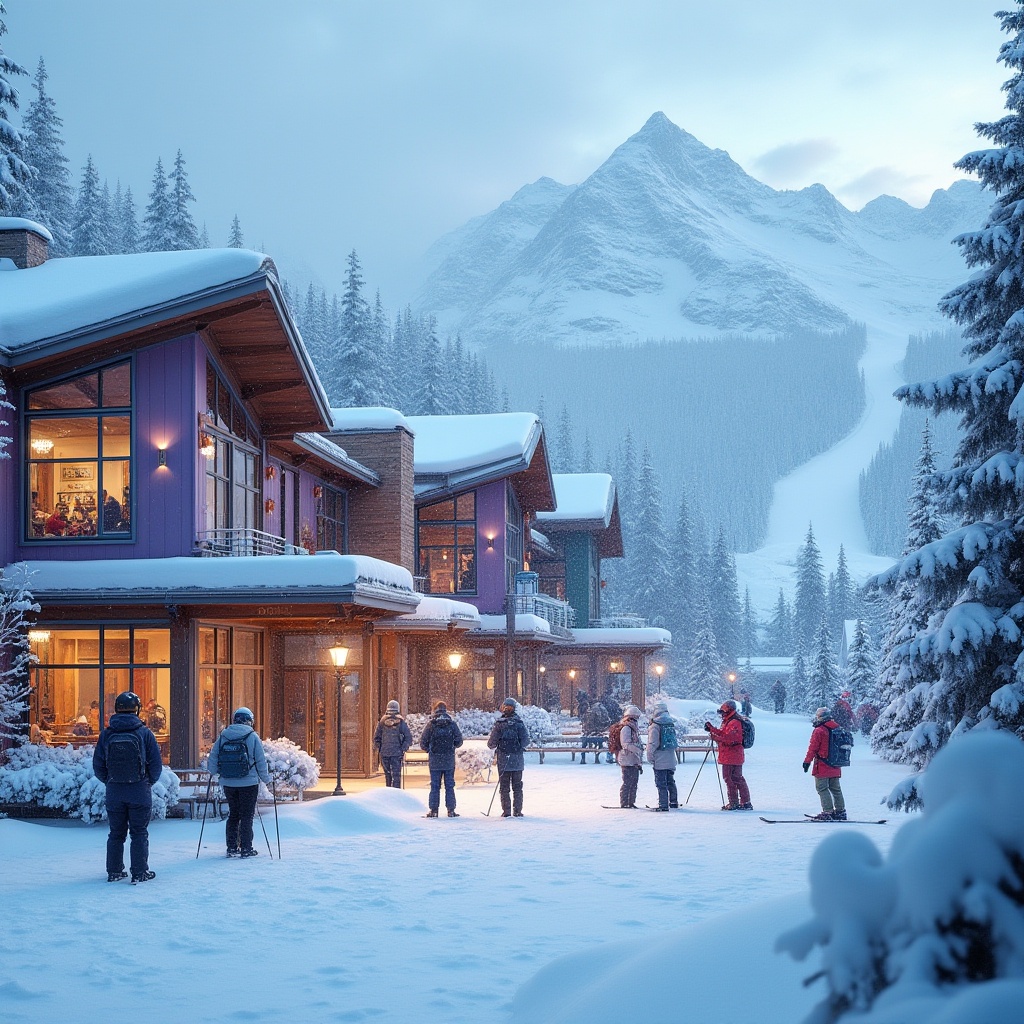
566	745
193	786
693	743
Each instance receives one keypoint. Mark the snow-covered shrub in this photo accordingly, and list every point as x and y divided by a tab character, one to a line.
472	762
937	930
538	722
16	607
61	779
289	765
474	722
417	723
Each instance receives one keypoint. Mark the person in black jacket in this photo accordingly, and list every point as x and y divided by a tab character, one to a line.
127	760
439	738
509	737
391	740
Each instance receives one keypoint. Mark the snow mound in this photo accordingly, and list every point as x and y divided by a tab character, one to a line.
369	813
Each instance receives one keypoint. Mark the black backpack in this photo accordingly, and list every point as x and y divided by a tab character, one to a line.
442	737
508	740
126	762
840	743
233	758
748	731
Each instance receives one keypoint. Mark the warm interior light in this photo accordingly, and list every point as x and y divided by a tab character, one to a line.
455	659
444	556
42	446
339	655
206	445
38	636
659	669
543	668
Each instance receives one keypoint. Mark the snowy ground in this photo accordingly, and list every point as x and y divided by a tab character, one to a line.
375	913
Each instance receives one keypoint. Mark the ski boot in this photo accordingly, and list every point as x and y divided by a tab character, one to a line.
145	876
116	876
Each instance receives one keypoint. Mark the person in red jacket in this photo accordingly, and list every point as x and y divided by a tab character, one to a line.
826	778
730	756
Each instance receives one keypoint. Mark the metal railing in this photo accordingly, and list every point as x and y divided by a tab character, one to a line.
558	614
228	542
624	621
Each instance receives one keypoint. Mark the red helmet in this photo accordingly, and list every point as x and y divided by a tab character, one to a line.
728	707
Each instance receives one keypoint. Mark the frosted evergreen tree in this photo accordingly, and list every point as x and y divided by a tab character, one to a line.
105	215
455	361
823	685
235	238
16	607
900	733
89	230
565	458
683	573
204	237
383	345
359	372
652	581
799	685
50	193
749	646
724	597
587	458
842	598
129	237
810	593
706	669
505	407
15	173
181	227
157	235
431	391
861	671
779	631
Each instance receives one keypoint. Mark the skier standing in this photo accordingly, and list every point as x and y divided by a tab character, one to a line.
730	756
439	738
237	756
510	737
826	777
391	740
630	756
661	752
127	760
777	692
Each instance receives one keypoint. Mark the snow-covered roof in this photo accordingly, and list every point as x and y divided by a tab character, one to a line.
649	636
21	224
336	456
525	623
581	498
434	613
368	418
540	542
781	665
68	296
300	579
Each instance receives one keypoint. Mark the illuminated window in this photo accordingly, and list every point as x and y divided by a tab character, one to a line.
446	545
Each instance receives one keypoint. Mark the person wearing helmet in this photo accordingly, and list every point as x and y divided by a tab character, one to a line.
127	761
630	755
391	740
730	756
238	758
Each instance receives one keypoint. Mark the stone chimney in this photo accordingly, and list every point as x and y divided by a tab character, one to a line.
24	241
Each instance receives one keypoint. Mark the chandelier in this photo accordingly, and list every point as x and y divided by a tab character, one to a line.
42	446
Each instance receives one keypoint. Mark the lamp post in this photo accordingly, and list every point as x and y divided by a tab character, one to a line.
455	660
339	655
659	670
572	690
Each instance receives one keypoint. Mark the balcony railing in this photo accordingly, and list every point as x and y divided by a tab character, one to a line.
559	615
624	621
228	542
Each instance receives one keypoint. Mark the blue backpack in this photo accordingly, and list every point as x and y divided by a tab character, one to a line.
442	737
668	735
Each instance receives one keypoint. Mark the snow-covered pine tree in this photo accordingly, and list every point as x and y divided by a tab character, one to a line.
50	194
431	392
810	593
799	685
683	576
181	227
724	598
204	237
359	371
587	456
971	651
236	240
89	230
455	368
380	339
16	605
706	671
15	173
861	671
842	597
565	449
749	627
779	631
157	235
130	238
650	570
824	682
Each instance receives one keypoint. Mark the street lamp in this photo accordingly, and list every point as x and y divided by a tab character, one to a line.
455	660
339	655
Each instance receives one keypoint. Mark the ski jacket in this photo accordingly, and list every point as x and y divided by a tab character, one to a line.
130	792
729	739
843	713
660	759
393	736
441	759
632	753
511	734
258	759
817	751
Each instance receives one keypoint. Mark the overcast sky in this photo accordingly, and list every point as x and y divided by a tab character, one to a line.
328	125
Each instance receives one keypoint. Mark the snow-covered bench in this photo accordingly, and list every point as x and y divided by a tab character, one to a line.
195	791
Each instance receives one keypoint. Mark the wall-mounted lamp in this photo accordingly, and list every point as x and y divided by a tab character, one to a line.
161	458
269	505
207	447
318	491
542	669
490	540
270	472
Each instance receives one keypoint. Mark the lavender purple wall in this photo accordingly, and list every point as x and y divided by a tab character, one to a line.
490	573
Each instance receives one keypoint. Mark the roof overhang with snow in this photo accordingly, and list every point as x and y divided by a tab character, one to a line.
587	503
527	627
433	614
84	309
456	453
332	457
325	578
642	640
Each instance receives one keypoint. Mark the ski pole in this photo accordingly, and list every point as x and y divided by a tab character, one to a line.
277	825
697	776
264	827
718	772
493	795
206	803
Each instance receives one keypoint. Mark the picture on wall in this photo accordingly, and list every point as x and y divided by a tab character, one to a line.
77	472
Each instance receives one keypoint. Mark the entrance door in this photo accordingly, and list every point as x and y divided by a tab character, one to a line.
311	716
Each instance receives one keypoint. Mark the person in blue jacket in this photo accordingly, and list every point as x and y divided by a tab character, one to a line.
391	740
510	737
439	738
241	785
127	761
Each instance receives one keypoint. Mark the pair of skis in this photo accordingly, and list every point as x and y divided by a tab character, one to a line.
809	819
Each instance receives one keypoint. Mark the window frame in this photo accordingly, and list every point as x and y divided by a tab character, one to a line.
458	528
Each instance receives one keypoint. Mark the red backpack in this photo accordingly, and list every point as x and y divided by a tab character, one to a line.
614	740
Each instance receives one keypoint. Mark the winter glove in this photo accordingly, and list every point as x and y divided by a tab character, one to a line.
707	727
807	764
641	769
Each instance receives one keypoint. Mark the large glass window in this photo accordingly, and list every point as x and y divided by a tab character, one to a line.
446	545
230	677
79	673
513	538
332	520
78	436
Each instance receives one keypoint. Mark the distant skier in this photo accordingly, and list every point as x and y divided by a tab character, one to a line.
661	752
730	756
842	711
777	692
746	706
391	740
127	759
439	738
630	755
510	737
826	778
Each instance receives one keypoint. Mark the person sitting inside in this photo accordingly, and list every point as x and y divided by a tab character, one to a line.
57	524
111	514
80	726
156	716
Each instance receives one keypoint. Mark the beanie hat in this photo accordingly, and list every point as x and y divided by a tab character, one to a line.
632	711
439	705
658	707
727	705
393	708
509	702
821	714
